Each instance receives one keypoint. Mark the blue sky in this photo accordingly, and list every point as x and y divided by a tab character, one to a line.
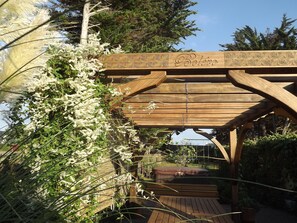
219	19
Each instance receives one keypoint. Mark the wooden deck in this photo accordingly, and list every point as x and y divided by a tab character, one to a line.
183	190
189	209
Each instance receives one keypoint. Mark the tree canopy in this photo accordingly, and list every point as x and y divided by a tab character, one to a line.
281	38
136	25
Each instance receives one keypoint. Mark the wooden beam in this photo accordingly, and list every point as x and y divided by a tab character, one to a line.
282	112
181	124
196	88
215	141
266	89
201	60
233	144
192	116
194	105
259	110
187	111
240	140
195	98
142	83
202	88
234	174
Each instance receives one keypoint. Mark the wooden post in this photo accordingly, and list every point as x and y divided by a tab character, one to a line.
234	175
236	144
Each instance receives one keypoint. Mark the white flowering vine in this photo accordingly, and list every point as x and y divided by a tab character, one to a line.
73	134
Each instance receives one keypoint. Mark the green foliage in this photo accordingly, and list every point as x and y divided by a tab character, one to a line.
270	160
282	38
183	155
72	153
136	25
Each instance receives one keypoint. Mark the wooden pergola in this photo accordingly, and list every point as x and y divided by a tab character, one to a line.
207	90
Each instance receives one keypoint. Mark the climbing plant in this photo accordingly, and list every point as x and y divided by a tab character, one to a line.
75	151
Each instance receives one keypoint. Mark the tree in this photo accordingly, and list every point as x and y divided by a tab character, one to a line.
136	25
282	38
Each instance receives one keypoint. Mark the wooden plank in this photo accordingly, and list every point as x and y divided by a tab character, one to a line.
204	78
142	83
172	217
201	88
168	205
192	207
285	99
189	206
195	105
195	98
233	144
196	88
153	217
213	210
259	110
139	110
207	60
182	125
168	116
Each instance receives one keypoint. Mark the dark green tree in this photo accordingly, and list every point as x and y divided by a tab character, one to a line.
136	25
282	38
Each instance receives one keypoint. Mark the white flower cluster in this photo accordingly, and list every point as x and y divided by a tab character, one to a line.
76	98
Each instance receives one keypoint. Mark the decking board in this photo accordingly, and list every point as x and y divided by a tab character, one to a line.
189	208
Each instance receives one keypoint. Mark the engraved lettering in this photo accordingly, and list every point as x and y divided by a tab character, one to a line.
194	60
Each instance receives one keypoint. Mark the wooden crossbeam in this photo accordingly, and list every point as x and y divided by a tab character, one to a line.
194	105
215	141
181	123
201	60
142	83
221	111
276	94
202	88
194	98
193	116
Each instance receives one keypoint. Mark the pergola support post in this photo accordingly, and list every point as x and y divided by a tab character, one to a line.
236	145
234	175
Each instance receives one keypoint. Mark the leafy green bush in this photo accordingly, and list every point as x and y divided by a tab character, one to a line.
271	160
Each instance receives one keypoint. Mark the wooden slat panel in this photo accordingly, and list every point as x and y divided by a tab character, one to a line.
196	88
201	88
182	124
258	111
180	116
174	98
197	105
186	111
142	83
